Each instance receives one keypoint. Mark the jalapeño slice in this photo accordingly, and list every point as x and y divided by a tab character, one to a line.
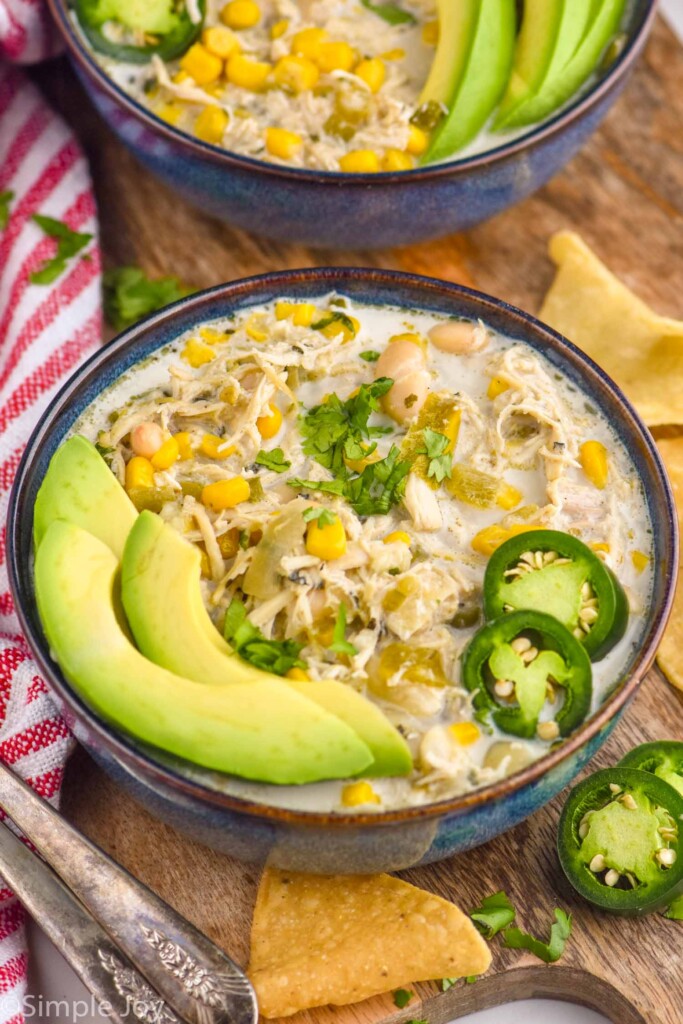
620	841
516	664
553	572
663	759
134	31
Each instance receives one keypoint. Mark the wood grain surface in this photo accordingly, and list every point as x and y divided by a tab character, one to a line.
624	194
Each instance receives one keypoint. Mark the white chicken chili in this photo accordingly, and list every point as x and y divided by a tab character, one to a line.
347	472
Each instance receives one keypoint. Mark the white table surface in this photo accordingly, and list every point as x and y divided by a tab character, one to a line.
57	995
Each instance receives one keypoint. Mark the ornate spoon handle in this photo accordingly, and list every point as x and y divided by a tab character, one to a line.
200	982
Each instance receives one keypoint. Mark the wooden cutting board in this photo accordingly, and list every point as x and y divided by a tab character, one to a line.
624	194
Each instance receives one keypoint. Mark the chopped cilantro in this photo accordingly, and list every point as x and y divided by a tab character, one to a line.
340	645
495	913
244	539
370	356
391	13
129	295
471	979
447	983
276	656
548	952
323	516
380	486
104	451
69	244
334	317
417	1022
440	461
6	198
402	997
327	486
274	459
675	911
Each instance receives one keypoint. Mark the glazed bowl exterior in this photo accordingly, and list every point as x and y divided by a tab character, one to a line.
325	209
311	841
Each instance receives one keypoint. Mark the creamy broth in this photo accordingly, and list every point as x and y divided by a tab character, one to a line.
262	357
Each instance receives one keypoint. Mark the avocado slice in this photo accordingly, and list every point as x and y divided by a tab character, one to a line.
551	33
162	599
483	79
80	488
561	85
457	25
260	730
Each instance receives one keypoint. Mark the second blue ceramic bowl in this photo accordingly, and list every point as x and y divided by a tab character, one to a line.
324	209
311	841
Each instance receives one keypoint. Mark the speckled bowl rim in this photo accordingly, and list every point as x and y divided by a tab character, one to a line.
555	125
237	295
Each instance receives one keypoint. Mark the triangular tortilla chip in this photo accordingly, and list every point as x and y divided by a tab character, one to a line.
641	351
670	653
317	940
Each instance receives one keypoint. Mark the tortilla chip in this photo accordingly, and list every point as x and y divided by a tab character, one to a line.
670	653
317	940
641	351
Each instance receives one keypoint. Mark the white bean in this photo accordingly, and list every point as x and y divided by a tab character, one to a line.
407	396
399	358
459	337
146	439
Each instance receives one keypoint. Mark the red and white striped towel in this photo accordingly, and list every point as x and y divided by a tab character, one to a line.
45	332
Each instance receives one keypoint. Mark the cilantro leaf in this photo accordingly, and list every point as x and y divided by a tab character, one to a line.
129	295
417	1022
69	244
402	997
391	13
326	486
274	459
6	198
340	645
334	317
380	486
370	356
323	516
548	952
276	656
447	983
495	913
328	427
435	448
675	911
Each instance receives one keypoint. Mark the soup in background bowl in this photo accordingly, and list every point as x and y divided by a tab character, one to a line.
344	452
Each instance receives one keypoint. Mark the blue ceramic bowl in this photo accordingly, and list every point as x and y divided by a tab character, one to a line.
331	843
347	210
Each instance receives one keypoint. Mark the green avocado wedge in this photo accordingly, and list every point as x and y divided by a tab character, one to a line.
457	26
80	488
163	602
560	87
261	730
551	33
486	71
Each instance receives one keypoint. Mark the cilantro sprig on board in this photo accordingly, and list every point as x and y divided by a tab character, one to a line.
129	295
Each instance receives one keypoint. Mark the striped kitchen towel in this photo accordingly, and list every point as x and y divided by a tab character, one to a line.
45	332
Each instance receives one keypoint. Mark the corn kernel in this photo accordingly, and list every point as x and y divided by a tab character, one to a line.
202	66
184	446
211	336
248	73
180	77
229	543
220	41
301	313
397	160
466	733
497	386
373	72
640	560
296	74
196	353
430	33
327	542
298	674
169	112
282	143
211	446
278	28
411	336
600	547
452	429
254	328
491	537
418	141
139	473
308	41
339	327
593	459
225	493
211	124
360	161
239	14
397	54
355	794
166	455
204	562
335	57
508	497
268	426
397	537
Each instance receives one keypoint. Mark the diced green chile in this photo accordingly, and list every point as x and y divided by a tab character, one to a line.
663	759
561	660
558	588
626	823
166	23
